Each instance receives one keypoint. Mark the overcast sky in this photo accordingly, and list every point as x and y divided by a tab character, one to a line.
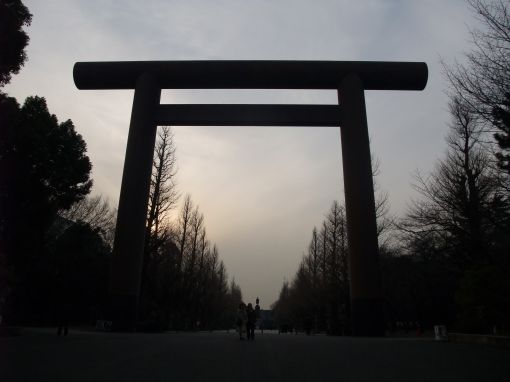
261	189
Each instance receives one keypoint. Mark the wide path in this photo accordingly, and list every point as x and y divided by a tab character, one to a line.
39	355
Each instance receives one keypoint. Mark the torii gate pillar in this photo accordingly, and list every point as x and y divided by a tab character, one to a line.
365	280
128	245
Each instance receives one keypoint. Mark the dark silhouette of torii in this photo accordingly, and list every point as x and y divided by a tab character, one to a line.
349	78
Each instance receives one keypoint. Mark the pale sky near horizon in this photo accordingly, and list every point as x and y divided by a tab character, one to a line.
261	189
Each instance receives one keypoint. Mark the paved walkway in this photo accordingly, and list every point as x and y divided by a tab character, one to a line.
39	355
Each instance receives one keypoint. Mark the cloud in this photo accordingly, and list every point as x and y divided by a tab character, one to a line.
262	189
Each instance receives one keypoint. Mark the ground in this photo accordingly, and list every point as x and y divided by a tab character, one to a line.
39	355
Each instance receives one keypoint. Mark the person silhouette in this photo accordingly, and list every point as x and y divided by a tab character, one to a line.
257	316
63	319
250	327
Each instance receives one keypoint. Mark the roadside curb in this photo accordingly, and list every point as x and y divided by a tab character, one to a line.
499	341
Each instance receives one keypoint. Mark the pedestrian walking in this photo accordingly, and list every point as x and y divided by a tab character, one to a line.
257	316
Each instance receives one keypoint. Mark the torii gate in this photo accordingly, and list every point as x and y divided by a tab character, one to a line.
349	78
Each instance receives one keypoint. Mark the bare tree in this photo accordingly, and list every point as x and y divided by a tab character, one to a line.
502	123
337	238
313	256
385	222
460	198
324	253
483	83
197	220
163	192
203	250
97	213
162	198
184	227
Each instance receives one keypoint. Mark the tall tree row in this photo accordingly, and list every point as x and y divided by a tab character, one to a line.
199	293
318	296
482	83
457	233
448	261
184	283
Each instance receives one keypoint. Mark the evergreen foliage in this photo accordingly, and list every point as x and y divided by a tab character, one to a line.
13	40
